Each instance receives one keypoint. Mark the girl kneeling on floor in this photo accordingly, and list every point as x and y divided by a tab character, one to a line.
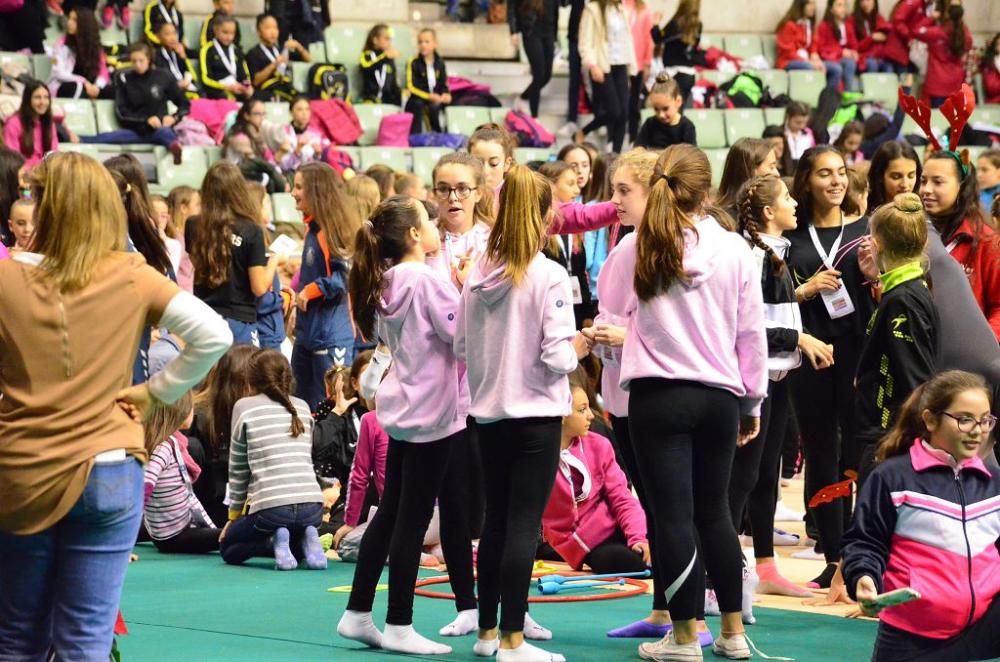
270	466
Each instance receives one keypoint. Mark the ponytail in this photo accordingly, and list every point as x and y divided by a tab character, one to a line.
271	375
758	193
520	227
131	181
678	188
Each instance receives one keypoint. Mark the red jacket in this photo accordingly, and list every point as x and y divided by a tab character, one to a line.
369	464
982	267
792	39
868	47
905	19
991	82
830	42
945	71
606	505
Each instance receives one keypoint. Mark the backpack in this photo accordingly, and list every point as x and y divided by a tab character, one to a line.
337	120
527	131
745	90
328	81
394	130
338	160
454	141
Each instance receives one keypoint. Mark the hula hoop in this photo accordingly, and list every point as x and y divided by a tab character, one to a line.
640	588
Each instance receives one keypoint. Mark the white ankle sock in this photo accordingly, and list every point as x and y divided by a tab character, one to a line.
404	639
533	630
527	653
486	647
359	626
465	623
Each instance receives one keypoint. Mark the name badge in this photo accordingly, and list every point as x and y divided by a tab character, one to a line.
838	303
574	283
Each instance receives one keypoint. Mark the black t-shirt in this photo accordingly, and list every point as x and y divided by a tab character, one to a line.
233	299
654	134
804	261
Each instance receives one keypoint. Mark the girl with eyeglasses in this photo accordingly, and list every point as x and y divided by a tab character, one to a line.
928	519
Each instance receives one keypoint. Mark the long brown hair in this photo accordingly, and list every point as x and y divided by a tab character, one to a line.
688	21
131	181
796	12
956	40
79	218
224	199
28	119
323	188
271	375
484	211
758	193
935	396
742	161
226	383
520	227
165	420
864	24
801	190
380	244
678	190
86	43
177	198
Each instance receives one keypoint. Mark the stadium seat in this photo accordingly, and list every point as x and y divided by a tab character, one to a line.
717	77
42	66
987	113
938	124
370	115
90	149
19	59
806	86
769	46
79	114
192	33
53	33
189	174
744	46
711	41
248	33
107	120
278	112
710	126
284	208
300	73
776	80
192	157
344	42
499	115
424	160
883	88
528	154
397	158
974	151
717	158
774	116
645	114
317	50
353	152
744	123
404	40
114	36
212	154
465	119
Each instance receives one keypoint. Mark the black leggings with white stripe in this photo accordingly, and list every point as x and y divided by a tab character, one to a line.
684	435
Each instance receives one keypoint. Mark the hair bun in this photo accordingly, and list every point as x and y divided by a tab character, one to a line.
908	202
663	77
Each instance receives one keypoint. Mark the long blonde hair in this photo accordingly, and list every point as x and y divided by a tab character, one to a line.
79	218
520	228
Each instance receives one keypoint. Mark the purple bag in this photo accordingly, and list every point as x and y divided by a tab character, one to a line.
454	141
10	6
527	131
394	130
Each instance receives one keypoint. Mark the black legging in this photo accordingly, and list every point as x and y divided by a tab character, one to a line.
520	457
413	476
636	98
539	46
610	104
684	435
455	505
824	405
201	540
754	482
614	555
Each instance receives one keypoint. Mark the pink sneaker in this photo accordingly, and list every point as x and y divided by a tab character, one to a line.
125	18
107	16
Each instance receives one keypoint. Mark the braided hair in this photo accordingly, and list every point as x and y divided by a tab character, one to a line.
271	375
758	193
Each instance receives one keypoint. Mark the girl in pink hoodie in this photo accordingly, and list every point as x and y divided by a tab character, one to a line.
519	305
412	310
694	362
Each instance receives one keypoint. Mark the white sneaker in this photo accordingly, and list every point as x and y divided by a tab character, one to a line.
785	539
567	130
750	582
733	647
667	649
783	513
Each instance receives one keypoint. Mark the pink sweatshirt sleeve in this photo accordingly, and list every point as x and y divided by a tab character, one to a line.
559	328
751	339
357	484
615	288
574	217
558	525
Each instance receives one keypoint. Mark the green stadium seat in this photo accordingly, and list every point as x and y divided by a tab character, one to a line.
424	160
136	26
776	80
42	66
806	86
192	33
744	123
90	149
711	41
353	152
717	157
370	116
317	50
528	154
744	46
974	151
79	114
114	36
938	123
717	77
212	154
7	58
397	158
189	174
278	112
107	120
645	114
769	46
344	42
710	126
404	40
53	33
248	33
774	116
465	119
499	115
880	87
300	73
284	208
192	157
987	113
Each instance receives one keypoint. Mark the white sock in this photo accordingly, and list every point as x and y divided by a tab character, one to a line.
486	647
465	623
533	630
527	653
359	626
404	639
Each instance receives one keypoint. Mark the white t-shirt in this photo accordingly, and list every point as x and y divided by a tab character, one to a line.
617	36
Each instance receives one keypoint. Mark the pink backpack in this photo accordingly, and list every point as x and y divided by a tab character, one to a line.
394	130
9	6
336	120
527	131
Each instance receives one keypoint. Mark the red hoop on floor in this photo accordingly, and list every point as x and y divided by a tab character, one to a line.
640	589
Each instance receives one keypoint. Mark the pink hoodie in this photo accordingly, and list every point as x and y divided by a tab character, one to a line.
574	528
421	398
710	330
517	341
369	462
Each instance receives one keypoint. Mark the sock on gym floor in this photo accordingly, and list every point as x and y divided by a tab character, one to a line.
534	631
465	623
527	653
359	626
486	647
773	583
404	639
283	558
315	557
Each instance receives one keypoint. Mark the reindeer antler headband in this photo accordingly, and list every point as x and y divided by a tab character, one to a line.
957	109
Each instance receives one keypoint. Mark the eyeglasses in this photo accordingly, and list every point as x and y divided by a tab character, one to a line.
462	191
967	423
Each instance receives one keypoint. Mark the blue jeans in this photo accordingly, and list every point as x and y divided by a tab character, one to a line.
310	366
799	65
875	65
244	333
60	589
163	136
250	536
842	70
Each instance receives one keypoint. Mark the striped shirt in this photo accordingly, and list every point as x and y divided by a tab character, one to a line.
171	505
267	466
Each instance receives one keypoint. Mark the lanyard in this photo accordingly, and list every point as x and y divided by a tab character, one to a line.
175	67
170	17
228	62
826	257
952	245
272	55
381	76
809	32
176	448
843	34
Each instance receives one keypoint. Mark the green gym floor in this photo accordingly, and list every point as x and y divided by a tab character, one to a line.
197	608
